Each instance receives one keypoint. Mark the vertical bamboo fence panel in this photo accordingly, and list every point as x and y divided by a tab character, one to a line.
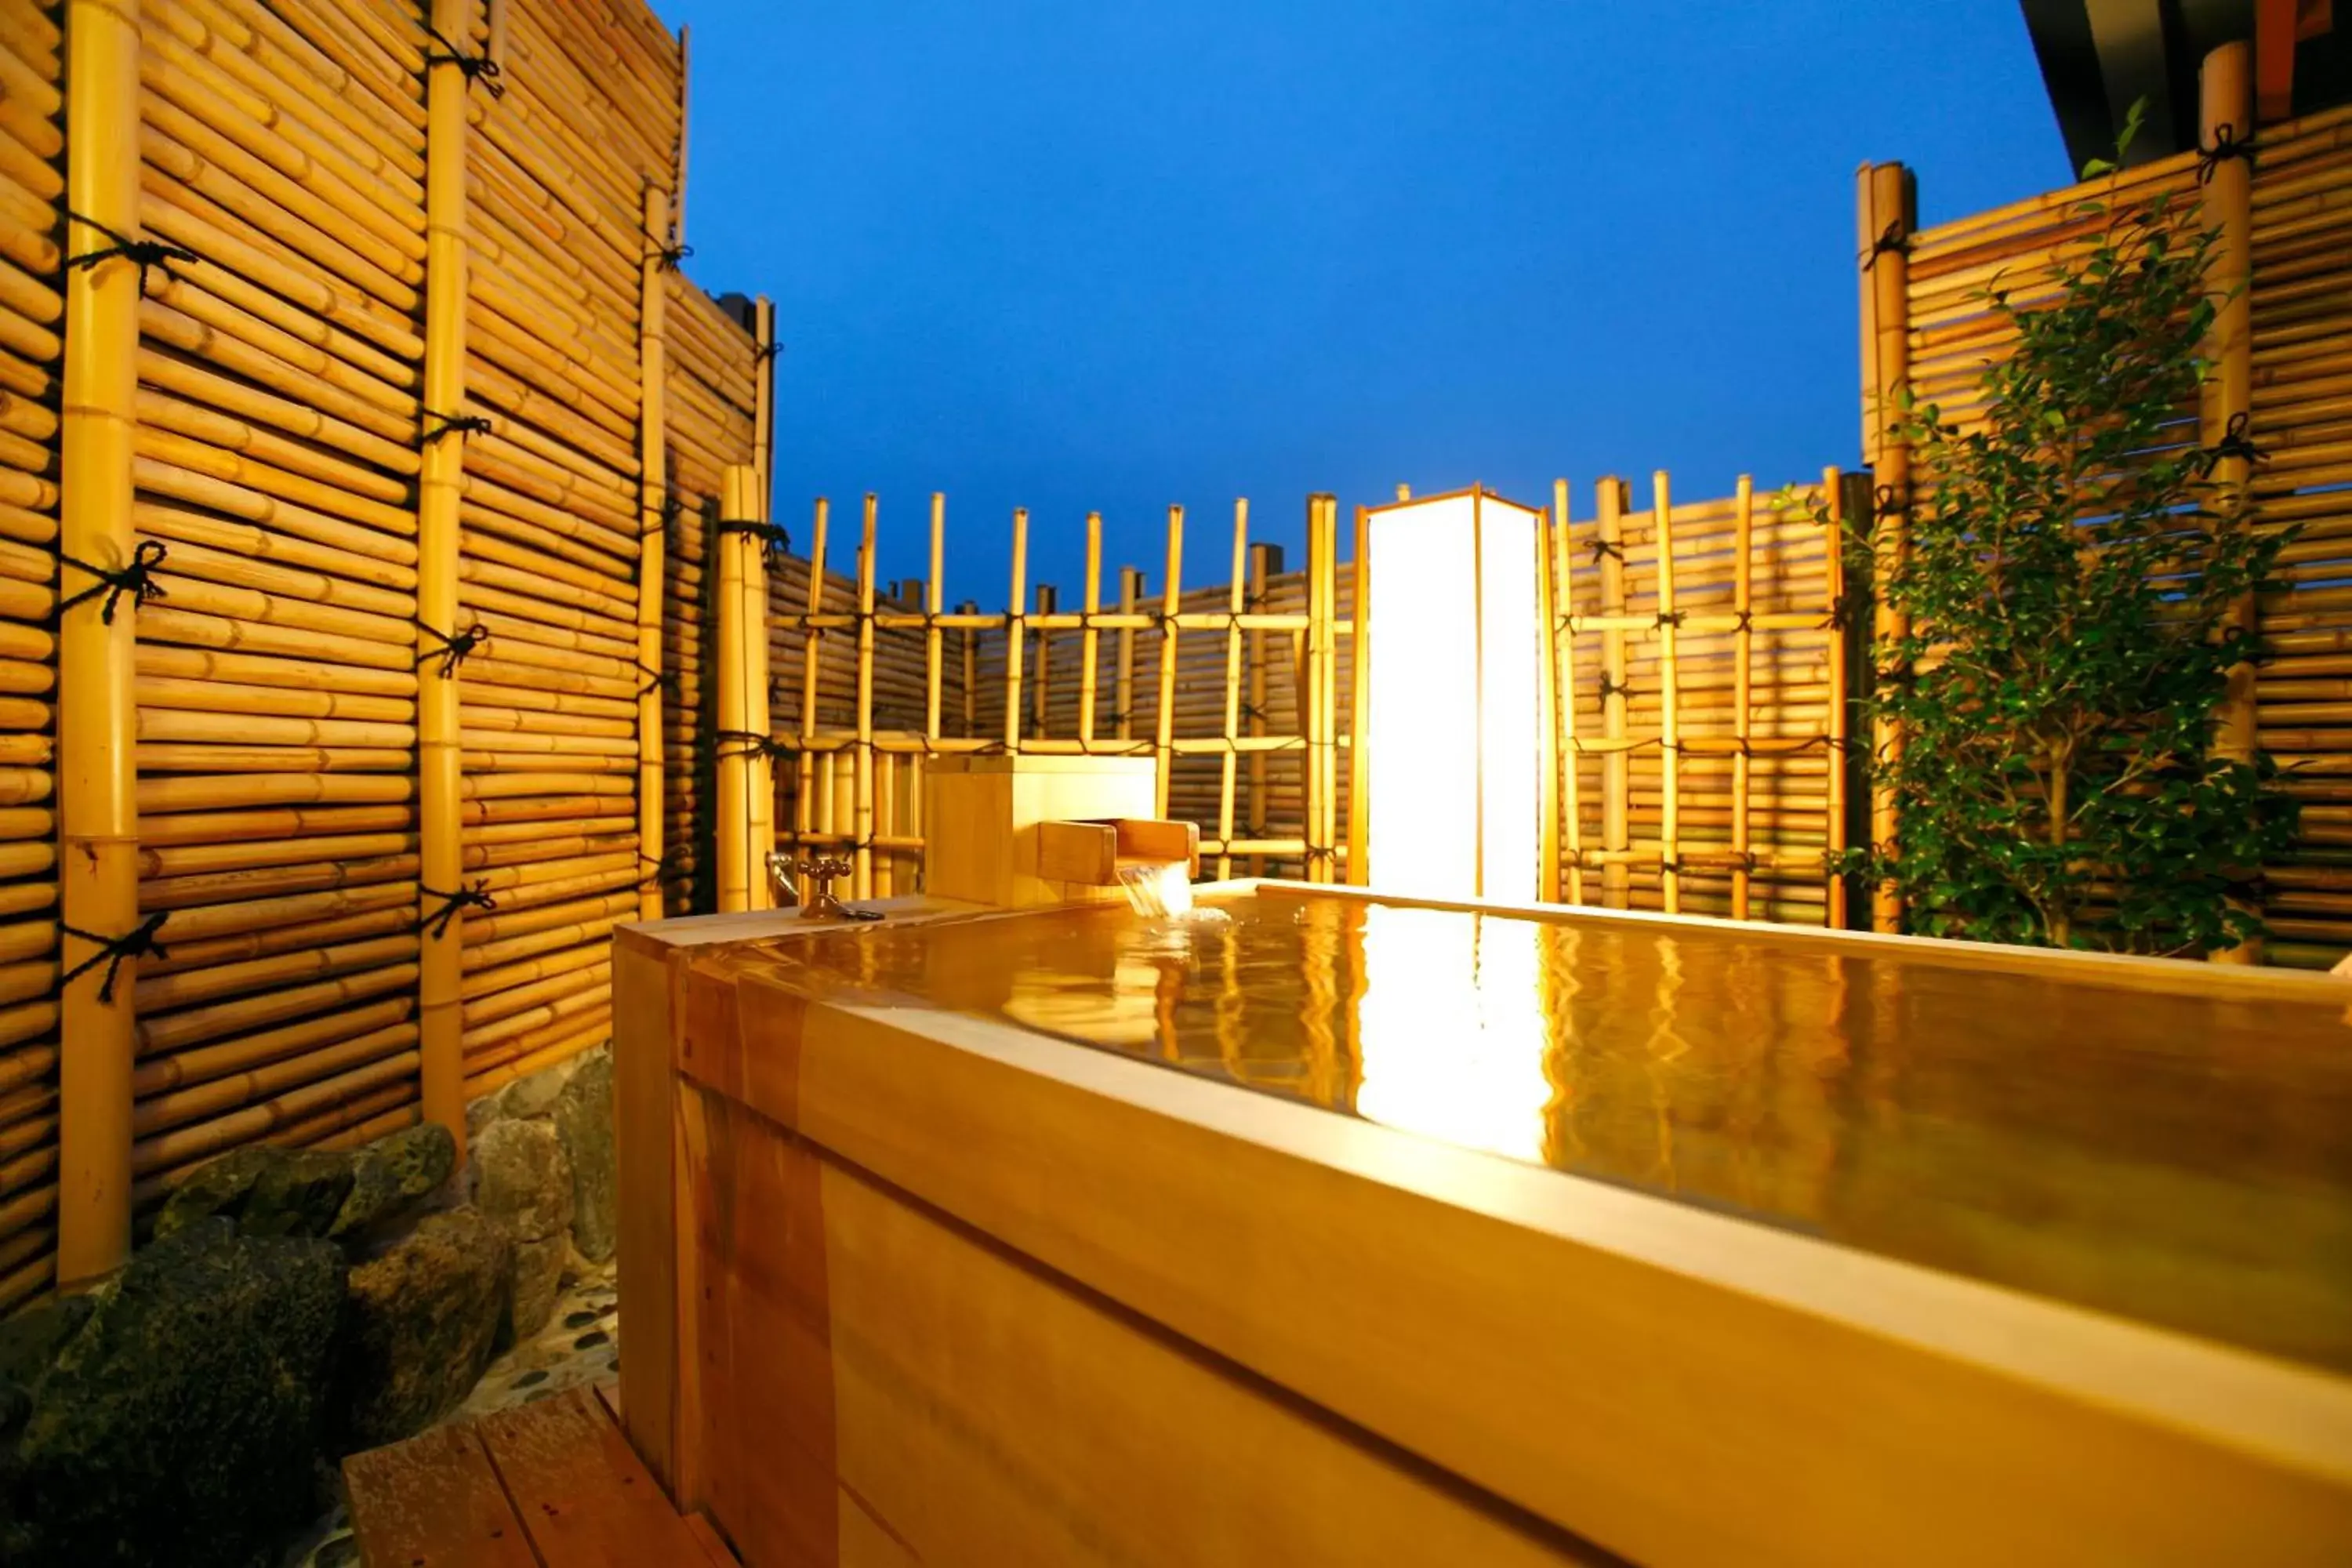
32	312
869	690
2294	354
383	509
1701	722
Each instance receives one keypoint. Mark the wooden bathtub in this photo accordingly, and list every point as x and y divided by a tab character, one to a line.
1360	1233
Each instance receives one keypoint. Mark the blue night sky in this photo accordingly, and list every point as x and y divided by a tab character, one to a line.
1116	255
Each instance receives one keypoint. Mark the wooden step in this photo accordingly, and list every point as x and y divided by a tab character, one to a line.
548	1485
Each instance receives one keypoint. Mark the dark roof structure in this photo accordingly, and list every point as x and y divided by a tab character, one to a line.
2100	57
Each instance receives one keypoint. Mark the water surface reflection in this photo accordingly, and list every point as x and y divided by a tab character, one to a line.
2183	1159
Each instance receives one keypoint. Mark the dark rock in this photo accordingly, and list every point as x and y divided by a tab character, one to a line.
419	1326
180	1424
30	1340
394	1173
522	1180
538	1282
269	1191
583	1121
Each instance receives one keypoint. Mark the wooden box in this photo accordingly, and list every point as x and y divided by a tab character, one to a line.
983	815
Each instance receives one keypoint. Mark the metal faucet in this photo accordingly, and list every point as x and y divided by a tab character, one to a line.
809	880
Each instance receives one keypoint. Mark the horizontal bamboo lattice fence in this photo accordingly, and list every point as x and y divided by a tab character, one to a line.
1703	675
364	567
870	683
1718	648
2283	352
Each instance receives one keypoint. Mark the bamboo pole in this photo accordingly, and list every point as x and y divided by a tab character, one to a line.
98	877
1328	826
1171	603
1237	586
1265	560
804	780
1669	696
1089	639
1130	596
440	482
970	673
1616	775
1359	768
653	460
1743	599
934	600
1016	627
1833	492
734	765
760	770
2225	114
1310	693
1549	748
758	693
863	874
1040	689
1561	629
1887	221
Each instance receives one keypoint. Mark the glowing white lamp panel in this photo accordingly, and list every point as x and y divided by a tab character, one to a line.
1451	726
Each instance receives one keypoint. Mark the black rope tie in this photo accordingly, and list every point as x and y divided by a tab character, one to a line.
773	541
1885	504
1892	241
1743	620
474	68
667	257
458	424
454	649
1600	547
655	681
747	743
1614	689
1843	611
665	869
438	924
770	351
147	254
1671	617
113	951
2227	145
136	580
2234	443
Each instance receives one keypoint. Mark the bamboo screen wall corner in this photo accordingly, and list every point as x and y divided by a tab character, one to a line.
401	438
2295	393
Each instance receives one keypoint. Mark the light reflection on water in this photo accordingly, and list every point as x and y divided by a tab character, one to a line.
2183	1159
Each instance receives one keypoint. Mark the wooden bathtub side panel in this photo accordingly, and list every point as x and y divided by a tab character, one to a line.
882	1386
645	1088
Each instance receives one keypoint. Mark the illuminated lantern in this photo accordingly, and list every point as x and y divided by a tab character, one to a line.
1453	717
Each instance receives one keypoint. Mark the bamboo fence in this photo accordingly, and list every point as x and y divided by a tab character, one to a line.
872	682
366	597
2282	348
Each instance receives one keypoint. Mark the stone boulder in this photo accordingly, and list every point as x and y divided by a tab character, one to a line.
583	1121
181	1422
267	1191
522	1180
420	1323
392	1175
537	1283
534	1094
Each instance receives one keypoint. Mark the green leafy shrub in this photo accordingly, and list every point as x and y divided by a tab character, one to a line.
2070	568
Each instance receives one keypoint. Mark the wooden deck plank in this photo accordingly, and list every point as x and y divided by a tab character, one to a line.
579	1489
434	1501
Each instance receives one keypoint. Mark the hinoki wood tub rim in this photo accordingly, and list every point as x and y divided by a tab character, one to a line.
1669	1382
